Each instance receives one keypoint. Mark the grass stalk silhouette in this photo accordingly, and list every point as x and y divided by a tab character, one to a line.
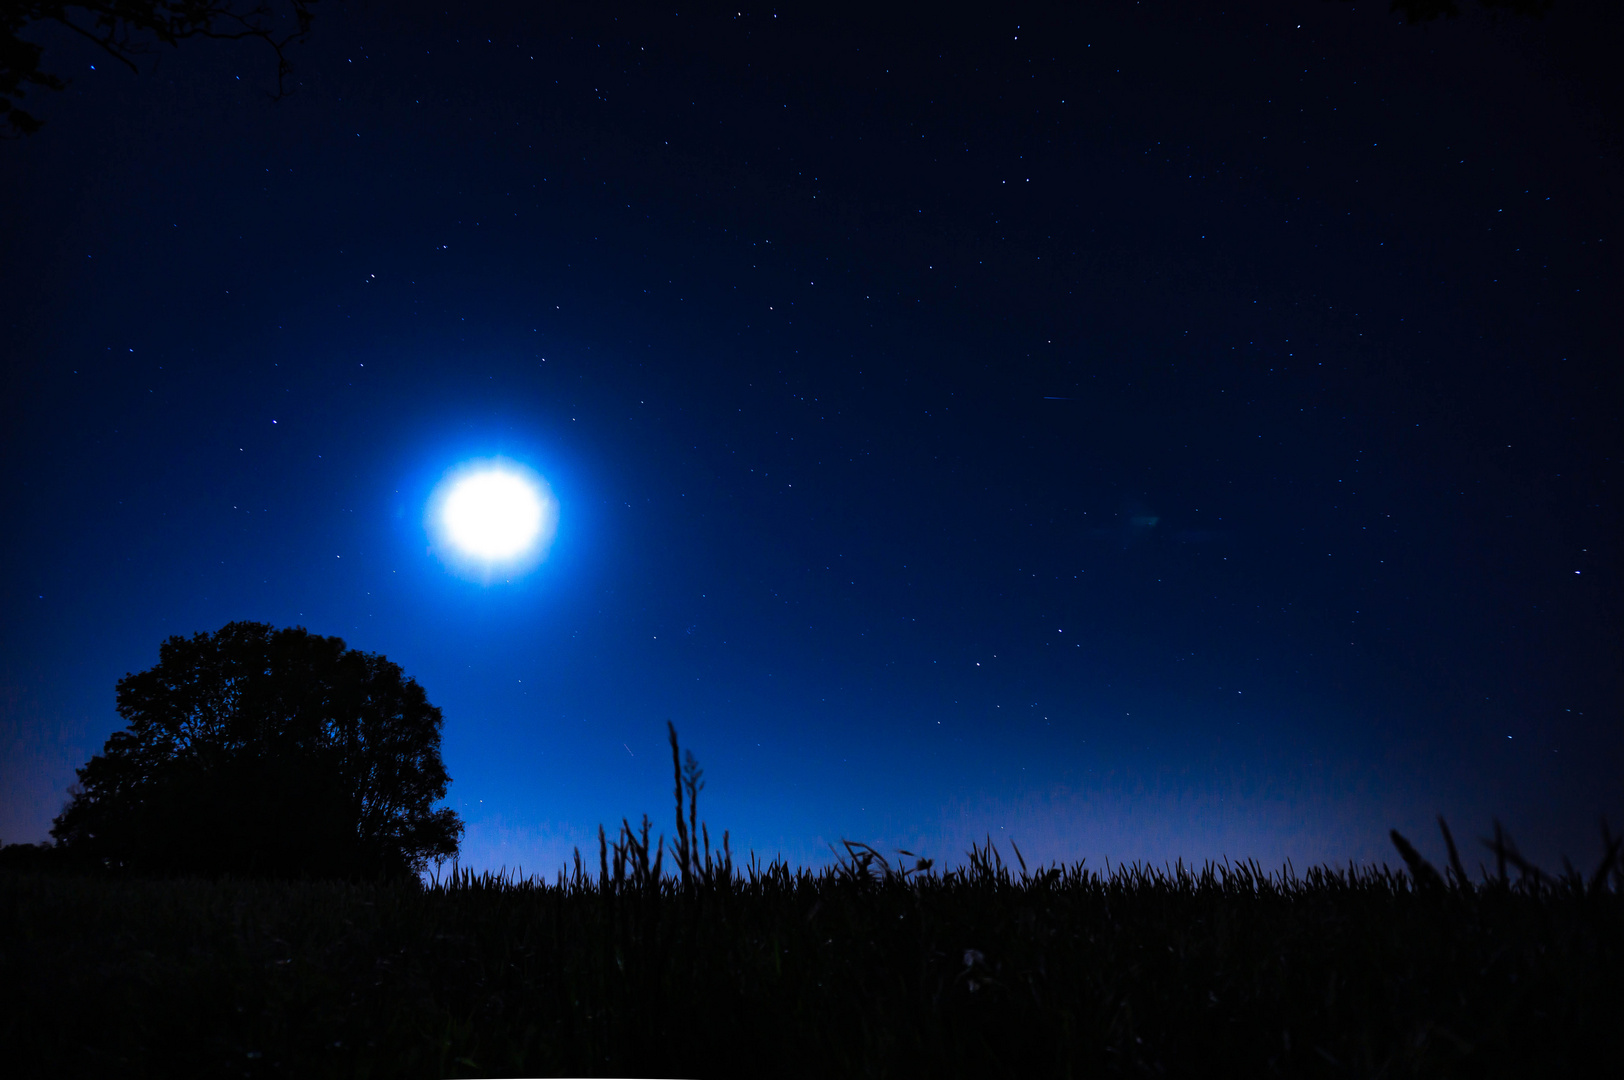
878	964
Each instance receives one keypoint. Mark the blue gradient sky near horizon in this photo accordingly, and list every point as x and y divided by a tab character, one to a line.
1136	434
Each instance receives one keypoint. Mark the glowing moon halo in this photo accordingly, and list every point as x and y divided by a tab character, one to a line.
491	519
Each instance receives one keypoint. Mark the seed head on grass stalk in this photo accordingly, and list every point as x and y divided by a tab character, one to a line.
684	847
1505	851
1461	881
1421	871
692	850
1609	860
693	780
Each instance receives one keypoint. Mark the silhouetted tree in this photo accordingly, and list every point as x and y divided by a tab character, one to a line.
126	28
258	751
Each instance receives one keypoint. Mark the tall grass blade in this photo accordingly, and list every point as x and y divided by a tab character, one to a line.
1421	871
1461	881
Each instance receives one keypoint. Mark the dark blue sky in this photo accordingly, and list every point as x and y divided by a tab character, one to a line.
1145	433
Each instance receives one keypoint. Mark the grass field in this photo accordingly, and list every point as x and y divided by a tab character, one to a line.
864	969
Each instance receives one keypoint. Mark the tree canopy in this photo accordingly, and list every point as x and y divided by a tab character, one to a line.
266	752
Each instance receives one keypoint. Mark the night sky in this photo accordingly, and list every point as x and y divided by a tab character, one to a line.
1136	431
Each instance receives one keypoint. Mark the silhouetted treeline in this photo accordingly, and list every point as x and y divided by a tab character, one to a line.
30	857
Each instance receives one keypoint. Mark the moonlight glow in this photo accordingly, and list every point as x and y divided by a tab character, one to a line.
492	516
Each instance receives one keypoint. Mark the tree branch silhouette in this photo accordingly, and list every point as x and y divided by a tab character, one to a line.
126	29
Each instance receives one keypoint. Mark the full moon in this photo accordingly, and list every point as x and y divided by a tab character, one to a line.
492	517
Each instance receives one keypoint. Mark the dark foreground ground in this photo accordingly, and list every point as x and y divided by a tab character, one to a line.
846	973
